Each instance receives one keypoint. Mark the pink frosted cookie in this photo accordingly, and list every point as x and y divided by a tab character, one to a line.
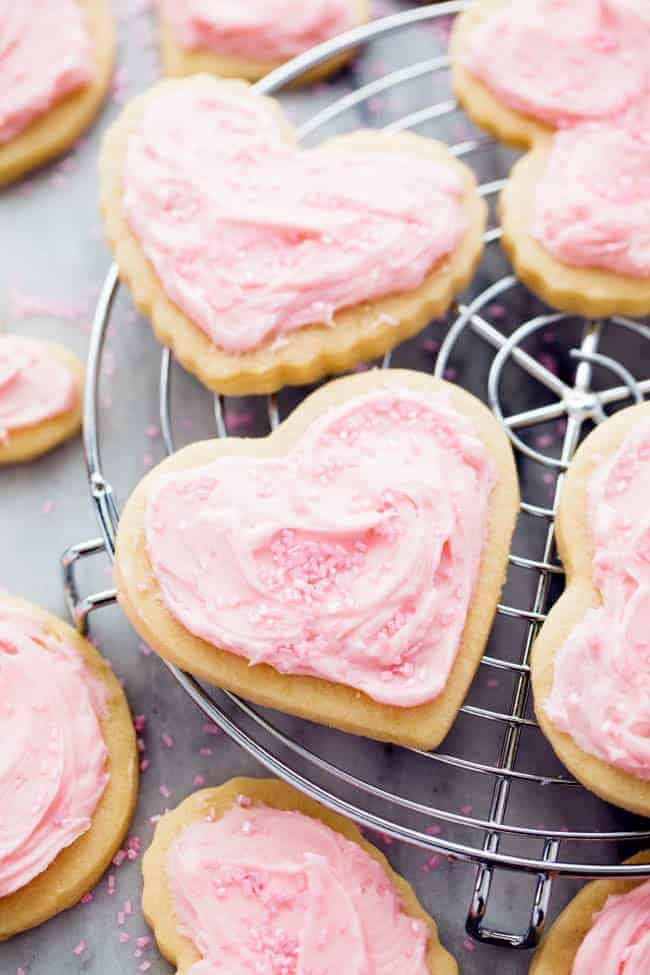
522	70
605	930
571	80
40	397
256	873
262	264
68	766
349	564
236	40
592	659
576	216
56	59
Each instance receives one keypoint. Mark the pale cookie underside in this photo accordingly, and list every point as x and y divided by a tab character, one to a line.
591	292
78	868
363	332
157	898
558	950
483	107
576	550
27	443
179	61
313	698
53	133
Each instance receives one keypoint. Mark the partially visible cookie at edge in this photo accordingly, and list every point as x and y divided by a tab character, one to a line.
41	397
207	812
52	131
205	51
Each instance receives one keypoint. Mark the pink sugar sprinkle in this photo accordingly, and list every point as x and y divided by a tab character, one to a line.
144	764
143	942
466	809
124	936
153	431
139	722
147	459
434	830
205	751
237	420
120	918
198	780
79	949
48	506
119	858
493	682
431	864
165	791
548	477
21	971
88	898
22	305
167	740
145	649
128	908
431	346
110	883
145	966
211	729
544	440
468	945
497	311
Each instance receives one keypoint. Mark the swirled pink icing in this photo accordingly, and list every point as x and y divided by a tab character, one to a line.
262	30
619	941
33	385
45	54
253	238
600	687
352	558
277	892
564	61
52	753
592	205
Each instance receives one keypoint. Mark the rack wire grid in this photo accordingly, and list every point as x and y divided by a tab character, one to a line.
300	753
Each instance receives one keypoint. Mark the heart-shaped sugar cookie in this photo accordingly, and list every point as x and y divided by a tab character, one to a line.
346	568
233	40
576	209
591	661
56	64
262	264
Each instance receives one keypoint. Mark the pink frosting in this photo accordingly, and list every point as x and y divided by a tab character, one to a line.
263	890
253	238
52	754
353	558
592	206
262	30
600	688
619	941
33	385
45	53
564	60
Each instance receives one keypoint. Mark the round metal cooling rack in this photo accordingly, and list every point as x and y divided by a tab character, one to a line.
340	784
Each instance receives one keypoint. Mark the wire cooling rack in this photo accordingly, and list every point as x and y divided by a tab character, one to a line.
502	758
